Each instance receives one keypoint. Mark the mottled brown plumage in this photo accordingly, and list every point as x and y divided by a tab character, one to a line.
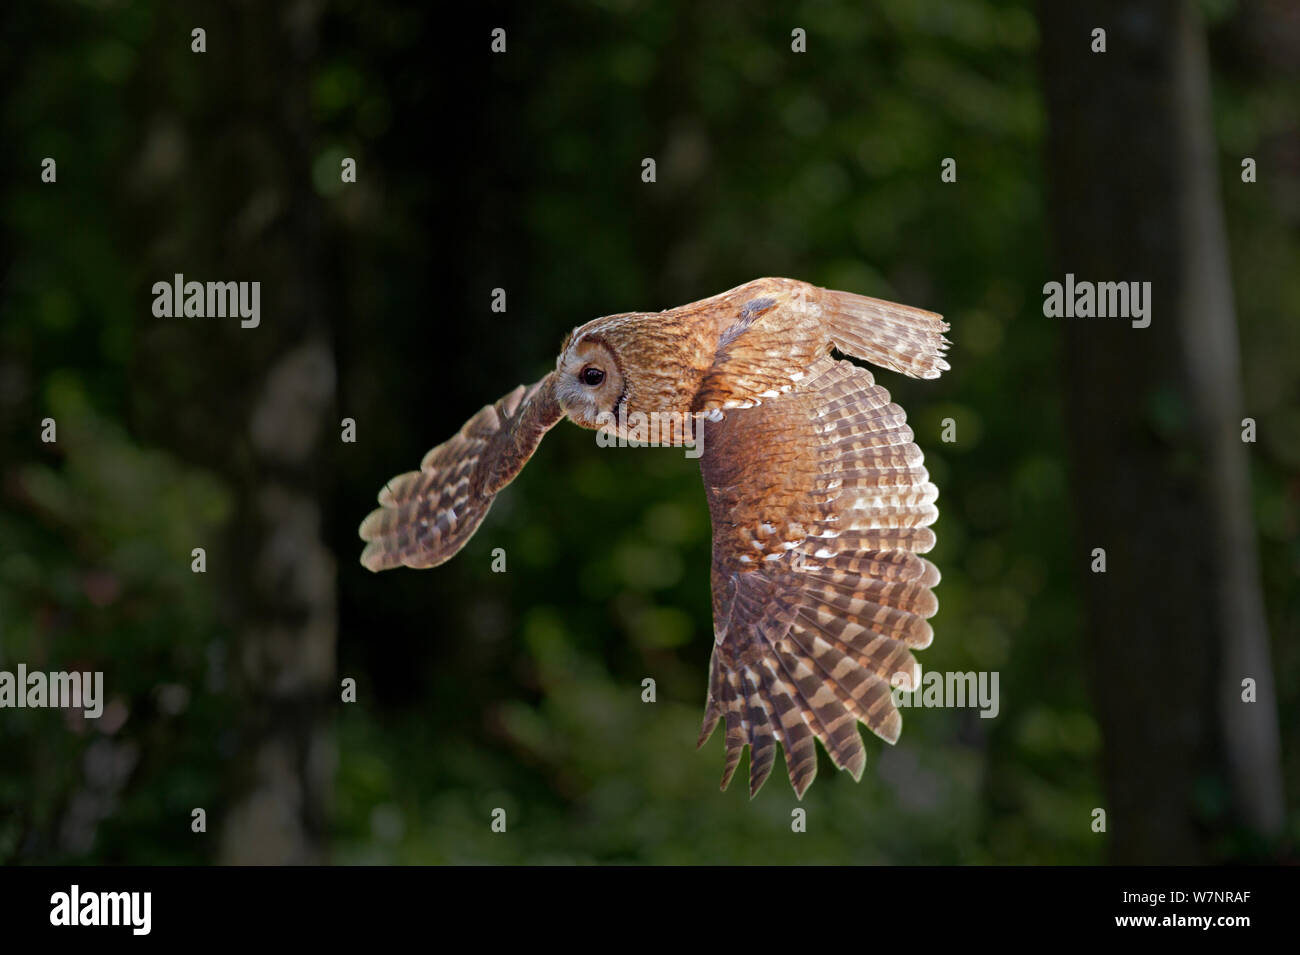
819	500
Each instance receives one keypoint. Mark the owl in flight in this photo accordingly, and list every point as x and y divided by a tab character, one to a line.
819	501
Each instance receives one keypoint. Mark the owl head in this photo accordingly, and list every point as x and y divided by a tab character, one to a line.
590	384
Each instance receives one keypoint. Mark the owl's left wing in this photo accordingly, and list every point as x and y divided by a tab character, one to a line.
426	516
821	507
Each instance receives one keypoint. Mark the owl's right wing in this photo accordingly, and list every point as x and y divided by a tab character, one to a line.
821	507
426	516
770	332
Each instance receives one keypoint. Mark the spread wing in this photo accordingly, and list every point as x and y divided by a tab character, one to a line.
426	516
769	331
820	507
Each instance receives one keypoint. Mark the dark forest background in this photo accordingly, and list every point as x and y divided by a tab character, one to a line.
522	171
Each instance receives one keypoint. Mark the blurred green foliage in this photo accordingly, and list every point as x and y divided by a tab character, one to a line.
95	576
523	690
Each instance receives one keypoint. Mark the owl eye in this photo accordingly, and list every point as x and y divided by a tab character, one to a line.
591	376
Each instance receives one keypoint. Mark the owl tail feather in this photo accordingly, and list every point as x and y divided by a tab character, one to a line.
817	680
426	516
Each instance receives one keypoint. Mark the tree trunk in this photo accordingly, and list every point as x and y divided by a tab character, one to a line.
1176	623
284	579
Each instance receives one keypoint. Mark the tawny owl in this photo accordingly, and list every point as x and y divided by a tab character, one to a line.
819	500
